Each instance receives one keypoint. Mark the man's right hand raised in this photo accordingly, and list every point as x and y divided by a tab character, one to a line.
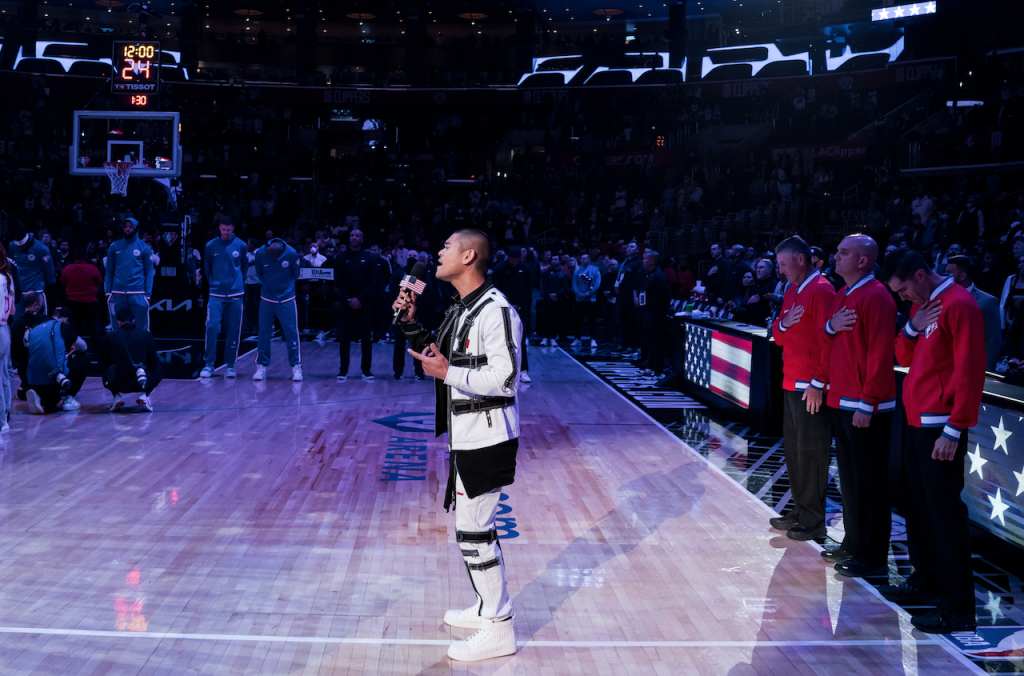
408	307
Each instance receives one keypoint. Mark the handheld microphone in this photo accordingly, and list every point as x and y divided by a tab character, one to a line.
412	285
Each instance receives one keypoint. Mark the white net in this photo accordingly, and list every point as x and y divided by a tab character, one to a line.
118	173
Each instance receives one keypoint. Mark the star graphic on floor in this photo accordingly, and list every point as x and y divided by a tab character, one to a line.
1001	436
993	606
998	507
1020	481
977	462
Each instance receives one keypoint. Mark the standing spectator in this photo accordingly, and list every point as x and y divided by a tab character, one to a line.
555	303
34	262
277	265
585	283
129	279
737	268
1013	294
252	289
715	282
653	301
862	389
355	274
806	422
81	281
990	277
962	270
606	300
922	206
625	294
943	347
225	264
515	280
381	317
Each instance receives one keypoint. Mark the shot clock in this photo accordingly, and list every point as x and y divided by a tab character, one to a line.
136	74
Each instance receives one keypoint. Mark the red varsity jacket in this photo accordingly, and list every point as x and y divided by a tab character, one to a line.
804	361
946	362
861	376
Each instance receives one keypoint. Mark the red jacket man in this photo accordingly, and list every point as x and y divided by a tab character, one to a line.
943	345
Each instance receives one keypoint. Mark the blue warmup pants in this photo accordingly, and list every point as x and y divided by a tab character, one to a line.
138	304
227	312
287	313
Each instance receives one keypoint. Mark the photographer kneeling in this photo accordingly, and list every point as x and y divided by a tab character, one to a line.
56	364
130	362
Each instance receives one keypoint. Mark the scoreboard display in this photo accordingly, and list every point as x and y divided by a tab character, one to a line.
136	74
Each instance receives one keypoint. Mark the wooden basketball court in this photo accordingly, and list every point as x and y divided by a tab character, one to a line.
297	528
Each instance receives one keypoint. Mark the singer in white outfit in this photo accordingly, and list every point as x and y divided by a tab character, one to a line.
474	359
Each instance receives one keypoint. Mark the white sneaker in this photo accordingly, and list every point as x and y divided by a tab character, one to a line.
229	372
576	343
71	404
297	373
593	344
35	406
261	372
468	618
143	401
524	377
319	340
496	638
543	342
118	403
5	428
368	376
342	379
206	372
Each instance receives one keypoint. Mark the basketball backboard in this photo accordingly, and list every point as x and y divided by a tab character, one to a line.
148	139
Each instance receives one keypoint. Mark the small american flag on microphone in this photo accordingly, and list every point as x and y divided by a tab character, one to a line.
417	286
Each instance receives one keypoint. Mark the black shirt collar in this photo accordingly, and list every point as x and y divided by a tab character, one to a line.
473	297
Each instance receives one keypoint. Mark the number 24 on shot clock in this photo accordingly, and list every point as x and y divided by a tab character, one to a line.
136	71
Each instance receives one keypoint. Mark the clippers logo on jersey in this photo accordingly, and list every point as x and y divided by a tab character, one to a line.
234	254
417	286
931	329
719	362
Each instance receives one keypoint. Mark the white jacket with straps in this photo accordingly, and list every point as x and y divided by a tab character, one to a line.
483	376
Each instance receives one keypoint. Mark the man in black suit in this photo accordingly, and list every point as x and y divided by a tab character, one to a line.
398	358
653	303
515	280
355	275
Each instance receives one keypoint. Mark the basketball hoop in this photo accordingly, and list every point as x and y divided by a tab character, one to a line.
118	173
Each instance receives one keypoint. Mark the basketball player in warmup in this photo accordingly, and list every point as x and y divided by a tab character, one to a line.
277	265
225	264
129	278
475	362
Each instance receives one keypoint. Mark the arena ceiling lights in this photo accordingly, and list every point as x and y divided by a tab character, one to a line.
903	11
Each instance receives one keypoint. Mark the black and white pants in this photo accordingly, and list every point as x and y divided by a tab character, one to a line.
477	535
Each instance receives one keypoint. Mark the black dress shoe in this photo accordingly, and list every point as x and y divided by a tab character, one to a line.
398	376
906	594
781	522
803	533
944	622
837	555
853	568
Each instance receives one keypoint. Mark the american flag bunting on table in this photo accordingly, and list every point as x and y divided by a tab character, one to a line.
417	286
719	362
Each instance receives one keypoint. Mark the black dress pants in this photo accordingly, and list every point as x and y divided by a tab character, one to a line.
862	455
354	324
586	309
938	536
400	355
653	341
808	445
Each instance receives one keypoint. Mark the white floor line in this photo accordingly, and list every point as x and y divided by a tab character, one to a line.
163	636
236	359
950	648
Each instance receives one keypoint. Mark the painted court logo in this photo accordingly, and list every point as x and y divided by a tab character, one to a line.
991	643
409	422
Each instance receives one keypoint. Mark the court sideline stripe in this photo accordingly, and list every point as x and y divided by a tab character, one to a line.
950	648
168	636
